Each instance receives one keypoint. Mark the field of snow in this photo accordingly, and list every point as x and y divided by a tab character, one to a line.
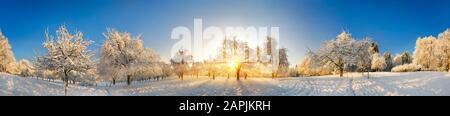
353	84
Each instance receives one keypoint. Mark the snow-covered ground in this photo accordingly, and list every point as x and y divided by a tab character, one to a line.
15	85
380	83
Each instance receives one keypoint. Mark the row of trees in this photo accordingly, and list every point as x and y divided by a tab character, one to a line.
125	56
235	59
8	62
433	53
347	54
338	55
122	58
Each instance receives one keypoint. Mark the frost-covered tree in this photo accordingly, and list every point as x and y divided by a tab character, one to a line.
108	71
180	63
341	52
401	59
25	68
378	63
406	58
7	60
433	53
269	45
258	54
120	55
212	68
363	55
283	66
149	67
388	59
443	52
308	67
424	52
66	55
374	48
397	60
166	70
195	69
305	65
153	63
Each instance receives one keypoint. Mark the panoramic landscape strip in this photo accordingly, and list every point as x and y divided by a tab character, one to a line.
225	48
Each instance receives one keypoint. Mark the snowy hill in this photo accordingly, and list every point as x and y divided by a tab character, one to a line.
383	83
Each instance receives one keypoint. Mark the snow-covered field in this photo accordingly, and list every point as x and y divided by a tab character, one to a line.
381	83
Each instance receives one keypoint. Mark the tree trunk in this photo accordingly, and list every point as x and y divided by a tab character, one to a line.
2	68
237	74
448	65
65	88
66	82
245	75
114	81
128	79
341	72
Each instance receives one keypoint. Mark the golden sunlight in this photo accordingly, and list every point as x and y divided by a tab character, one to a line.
232	64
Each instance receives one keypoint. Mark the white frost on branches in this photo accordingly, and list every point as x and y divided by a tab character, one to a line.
125	56
25	68
343	53
433	53
378	62
7	60
66	56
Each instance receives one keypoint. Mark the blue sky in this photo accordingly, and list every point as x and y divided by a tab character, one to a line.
394	24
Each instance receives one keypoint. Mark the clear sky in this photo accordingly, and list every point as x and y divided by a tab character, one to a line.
394	24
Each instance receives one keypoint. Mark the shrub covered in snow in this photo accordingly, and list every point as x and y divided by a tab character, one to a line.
407	68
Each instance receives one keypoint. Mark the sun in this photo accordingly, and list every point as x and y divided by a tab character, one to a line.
232	64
